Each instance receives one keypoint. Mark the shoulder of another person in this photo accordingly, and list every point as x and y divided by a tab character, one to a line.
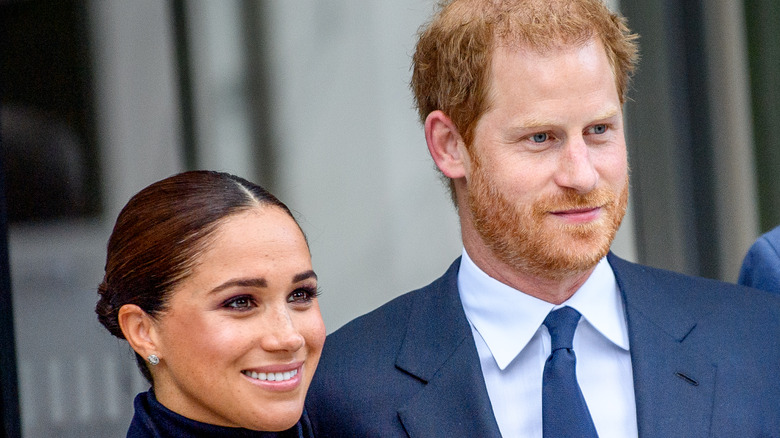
773	235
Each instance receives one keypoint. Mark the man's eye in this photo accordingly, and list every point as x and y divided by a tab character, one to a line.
599	129
539	138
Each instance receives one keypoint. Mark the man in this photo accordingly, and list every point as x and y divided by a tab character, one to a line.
522	108
761	266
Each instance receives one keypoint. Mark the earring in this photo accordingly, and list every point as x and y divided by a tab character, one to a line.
153	359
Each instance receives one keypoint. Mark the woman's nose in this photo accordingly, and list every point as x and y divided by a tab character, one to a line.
280	333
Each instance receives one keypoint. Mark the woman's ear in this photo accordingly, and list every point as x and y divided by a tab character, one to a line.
139	330
446	145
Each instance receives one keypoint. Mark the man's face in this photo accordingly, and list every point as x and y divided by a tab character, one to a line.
547	175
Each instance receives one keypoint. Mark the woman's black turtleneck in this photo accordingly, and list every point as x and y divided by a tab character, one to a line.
152	419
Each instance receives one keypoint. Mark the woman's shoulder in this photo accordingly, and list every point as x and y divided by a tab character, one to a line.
153	420
142	425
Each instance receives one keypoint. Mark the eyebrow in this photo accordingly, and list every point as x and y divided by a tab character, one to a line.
260	282
534	122
612	112
304	276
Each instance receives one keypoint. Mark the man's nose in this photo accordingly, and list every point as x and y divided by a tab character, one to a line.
575	166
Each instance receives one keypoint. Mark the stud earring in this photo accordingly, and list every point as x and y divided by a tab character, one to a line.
153	359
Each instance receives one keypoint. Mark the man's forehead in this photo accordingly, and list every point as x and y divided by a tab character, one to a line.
505	69
543	48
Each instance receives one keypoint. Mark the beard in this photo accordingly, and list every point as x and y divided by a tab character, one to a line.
528	240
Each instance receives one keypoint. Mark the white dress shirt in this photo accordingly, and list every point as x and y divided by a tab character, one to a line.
513	346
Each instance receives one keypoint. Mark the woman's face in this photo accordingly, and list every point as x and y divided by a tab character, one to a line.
242	335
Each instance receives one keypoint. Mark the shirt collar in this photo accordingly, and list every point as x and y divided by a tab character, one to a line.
507	320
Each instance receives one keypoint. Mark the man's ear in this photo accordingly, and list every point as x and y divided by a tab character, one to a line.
139	330
446	145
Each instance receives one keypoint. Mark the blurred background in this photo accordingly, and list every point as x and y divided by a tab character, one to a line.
310	98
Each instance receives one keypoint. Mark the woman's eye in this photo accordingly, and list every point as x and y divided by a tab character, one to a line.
598	129
302	295
240	303
539	138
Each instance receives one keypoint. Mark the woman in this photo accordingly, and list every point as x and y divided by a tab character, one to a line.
209	279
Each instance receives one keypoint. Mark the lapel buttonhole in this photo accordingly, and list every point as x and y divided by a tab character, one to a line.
687	378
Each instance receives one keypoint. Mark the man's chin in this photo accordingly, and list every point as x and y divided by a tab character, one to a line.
562	269
567	256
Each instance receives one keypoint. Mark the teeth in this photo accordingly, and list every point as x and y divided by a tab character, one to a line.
271	377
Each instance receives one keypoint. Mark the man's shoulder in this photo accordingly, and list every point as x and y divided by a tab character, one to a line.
364	369
389	321
649	286
384	324
626	271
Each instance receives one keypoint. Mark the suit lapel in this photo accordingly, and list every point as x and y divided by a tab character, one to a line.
674	381
439	350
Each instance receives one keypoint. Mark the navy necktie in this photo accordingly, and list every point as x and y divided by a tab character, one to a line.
564	412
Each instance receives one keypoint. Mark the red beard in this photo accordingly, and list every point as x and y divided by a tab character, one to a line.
528	240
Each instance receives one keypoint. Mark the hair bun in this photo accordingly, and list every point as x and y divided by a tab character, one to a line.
107	313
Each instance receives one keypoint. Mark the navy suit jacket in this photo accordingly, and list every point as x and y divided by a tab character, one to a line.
705	357
761	267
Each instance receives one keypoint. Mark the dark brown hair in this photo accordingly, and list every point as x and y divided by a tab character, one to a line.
160	233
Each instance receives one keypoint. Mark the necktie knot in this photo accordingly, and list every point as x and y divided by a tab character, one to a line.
561	324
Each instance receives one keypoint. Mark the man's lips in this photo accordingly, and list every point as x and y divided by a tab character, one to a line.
578	215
